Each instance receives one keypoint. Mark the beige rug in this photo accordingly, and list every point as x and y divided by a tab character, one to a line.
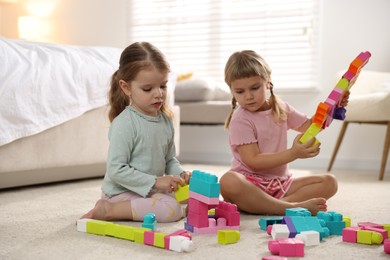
39	223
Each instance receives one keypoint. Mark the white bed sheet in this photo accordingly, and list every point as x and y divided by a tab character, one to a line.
43	85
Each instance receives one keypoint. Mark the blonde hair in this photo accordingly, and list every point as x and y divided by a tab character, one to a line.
135	58
245	64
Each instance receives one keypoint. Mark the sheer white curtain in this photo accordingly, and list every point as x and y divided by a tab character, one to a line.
199	36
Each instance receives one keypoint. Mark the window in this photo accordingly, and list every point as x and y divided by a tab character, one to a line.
199	36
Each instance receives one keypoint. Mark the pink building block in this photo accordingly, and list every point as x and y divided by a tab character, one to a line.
274	257
387	246
370	224
204	199
229	212
350	234
214	226
336	95
287	247
149	238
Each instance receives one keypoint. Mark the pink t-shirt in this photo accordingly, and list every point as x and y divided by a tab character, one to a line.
259	127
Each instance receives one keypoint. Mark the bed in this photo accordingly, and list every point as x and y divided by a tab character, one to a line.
53	103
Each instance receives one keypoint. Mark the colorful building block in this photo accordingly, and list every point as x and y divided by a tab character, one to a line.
229	212
309	238
333	221
347	221
387	246
369	237
149	221
182	193
297	212
280	231
180	244
205	184
350	234
274	257
337	112
287	247
265	222
228	236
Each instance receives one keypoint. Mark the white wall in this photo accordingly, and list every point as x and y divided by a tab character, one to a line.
348	27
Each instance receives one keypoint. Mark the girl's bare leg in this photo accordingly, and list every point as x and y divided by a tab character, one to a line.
314	186
105	210
236	189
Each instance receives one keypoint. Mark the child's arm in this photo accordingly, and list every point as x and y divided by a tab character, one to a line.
257	161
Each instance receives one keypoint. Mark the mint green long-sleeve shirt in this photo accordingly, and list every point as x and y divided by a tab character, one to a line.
141	149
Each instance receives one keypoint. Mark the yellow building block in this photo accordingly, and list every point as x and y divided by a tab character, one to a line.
228	236
387	227
139	235
98	227
159	240
123	232
310	133
182	193
369	237
347	221
343	84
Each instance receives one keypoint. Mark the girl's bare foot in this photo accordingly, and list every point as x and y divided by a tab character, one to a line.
313	205
99	211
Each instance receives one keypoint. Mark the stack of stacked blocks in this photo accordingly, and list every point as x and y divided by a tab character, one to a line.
331	109
204	191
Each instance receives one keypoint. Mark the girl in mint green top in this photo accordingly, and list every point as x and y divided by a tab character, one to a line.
142	170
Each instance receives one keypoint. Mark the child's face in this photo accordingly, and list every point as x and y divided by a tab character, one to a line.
250	93
149	91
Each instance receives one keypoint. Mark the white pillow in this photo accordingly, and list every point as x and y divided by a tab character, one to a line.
201	89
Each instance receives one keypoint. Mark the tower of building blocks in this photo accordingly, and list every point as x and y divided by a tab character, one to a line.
204	191
331	109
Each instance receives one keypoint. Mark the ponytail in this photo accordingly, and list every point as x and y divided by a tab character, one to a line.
234	105
277	110
117	99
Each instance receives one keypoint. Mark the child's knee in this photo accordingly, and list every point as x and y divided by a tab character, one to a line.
331	183
229	184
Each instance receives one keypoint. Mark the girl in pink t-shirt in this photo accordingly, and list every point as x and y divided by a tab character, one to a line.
259	181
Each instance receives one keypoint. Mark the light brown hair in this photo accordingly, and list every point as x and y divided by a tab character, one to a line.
134	58
245	64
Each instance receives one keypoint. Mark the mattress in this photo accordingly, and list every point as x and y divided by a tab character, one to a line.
73	150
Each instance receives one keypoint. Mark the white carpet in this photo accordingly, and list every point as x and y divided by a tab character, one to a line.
39	223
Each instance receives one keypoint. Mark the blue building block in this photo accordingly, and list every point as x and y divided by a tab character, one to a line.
310	223
297	212
333	221
205	184
149	221
265	222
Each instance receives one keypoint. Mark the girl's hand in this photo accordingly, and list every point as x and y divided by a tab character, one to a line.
306	150
186	175
168	183
344	101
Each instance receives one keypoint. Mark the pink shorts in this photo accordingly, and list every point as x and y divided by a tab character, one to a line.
276	187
